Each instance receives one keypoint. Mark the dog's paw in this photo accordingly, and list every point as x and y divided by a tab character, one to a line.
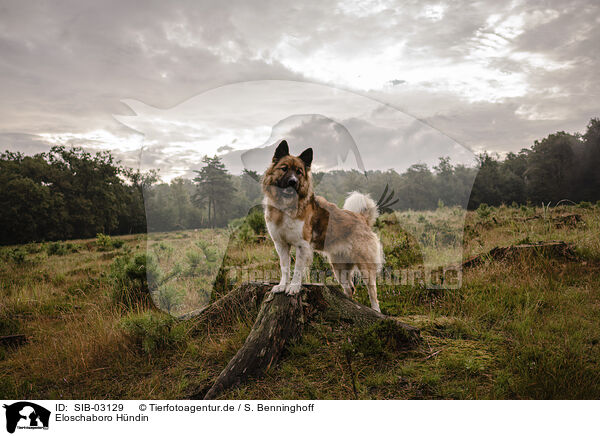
293	288
278	288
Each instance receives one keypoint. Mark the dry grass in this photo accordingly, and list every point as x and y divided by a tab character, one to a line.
515	329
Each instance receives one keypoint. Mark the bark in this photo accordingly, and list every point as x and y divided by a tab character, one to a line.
551	250
240	302
281	320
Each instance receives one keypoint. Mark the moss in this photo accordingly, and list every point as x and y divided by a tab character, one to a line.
380	338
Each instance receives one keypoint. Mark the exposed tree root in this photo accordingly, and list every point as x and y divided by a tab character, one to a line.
281	320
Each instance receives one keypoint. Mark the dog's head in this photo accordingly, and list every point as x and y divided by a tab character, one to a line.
288	179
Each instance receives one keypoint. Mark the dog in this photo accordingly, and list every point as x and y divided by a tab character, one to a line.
296	217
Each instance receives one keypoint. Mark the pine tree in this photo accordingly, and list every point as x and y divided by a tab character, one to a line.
215	189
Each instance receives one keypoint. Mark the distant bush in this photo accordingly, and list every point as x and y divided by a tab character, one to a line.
17	255
106	243
401	253
245	233
235	224
61	248
247	229
33	248
484	211
256	221
153	331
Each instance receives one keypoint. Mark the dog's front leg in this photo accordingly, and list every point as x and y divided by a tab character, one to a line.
304	255
283	250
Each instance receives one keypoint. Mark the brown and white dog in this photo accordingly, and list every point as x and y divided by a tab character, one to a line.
296	217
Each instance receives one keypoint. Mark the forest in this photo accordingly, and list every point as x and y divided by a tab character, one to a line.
69	193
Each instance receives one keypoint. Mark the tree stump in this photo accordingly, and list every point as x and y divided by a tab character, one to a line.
281	320
551	250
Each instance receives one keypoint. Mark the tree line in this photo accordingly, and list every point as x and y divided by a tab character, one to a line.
70	193
67	194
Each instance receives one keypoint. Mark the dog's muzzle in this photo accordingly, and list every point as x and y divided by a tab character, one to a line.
290	187
290	191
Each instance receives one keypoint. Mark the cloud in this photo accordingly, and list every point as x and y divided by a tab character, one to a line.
347	130
491	75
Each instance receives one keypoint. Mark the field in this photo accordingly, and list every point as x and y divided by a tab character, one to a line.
518	328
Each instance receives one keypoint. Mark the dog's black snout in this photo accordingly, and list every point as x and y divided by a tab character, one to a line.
292	182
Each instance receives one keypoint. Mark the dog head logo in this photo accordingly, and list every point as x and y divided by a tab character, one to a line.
26	415
325	129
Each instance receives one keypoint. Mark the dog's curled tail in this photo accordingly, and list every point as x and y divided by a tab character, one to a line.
363	205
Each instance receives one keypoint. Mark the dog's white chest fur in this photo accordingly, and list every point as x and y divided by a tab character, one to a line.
289	231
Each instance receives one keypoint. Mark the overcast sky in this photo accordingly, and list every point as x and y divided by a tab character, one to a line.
442	77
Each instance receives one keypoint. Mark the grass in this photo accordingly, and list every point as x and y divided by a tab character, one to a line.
522	328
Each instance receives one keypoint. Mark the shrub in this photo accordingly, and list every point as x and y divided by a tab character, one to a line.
484	211
194	259
211	254
169	298
246	229
33	248
103	242
163	248
153	331
106	243
245	233
130	277
320	267
256	221
56	248
117	243
17	255
401	253
235	224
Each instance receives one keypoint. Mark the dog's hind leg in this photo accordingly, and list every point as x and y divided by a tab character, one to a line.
343	273
369	275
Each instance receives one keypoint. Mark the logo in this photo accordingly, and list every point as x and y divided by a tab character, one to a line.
26	415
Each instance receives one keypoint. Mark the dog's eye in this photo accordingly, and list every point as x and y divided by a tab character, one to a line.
300	172
284	168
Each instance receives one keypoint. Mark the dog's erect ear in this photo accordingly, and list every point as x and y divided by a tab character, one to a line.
306	157
282	151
